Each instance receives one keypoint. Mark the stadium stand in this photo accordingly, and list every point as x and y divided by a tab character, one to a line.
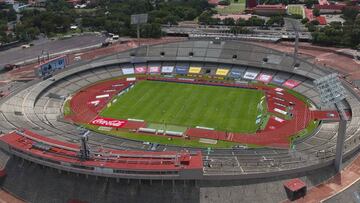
32	109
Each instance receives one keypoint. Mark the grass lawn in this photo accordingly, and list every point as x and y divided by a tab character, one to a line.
67	108
296	9
222	108
233	8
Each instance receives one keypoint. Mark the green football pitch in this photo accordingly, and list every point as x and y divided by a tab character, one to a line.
296	9
189	105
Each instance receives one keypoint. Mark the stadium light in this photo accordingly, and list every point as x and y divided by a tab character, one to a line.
84	152
296	45
333	93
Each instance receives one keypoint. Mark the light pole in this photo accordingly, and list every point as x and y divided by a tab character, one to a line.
333	93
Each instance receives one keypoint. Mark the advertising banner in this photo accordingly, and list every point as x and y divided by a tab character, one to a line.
195	70
264	78
108	122
291	83
128	71
235	74
140	70
181	70
278	80
222	71
154	69
250	75
51	66
167	69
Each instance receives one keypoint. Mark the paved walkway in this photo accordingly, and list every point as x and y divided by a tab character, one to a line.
6	197
340	182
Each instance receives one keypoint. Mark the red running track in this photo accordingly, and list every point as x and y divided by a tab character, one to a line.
277	132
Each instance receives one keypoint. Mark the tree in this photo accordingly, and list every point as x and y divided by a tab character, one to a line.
255	21
296	16
240	30
314	22
224	2
152	30
309	3
275	20
304	21
338	34
206	18
229	21
11	15
350	14
241	22
316	12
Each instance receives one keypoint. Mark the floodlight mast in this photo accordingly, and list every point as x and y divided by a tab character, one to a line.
333	93
296	47
84	152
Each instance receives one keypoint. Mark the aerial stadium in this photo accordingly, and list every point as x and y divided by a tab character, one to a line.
189	112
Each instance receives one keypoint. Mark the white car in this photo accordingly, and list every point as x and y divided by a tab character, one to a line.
77	58
25	46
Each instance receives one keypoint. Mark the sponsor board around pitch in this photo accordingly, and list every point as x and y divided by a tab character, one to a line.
154	69
167	69
195	70
235	74
291	83
128	71
108	122
278	80
140	70
181	70
222	71
264	78
250	75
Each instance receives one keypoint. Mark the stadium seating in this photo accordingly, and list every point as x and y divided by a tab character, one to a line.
33	109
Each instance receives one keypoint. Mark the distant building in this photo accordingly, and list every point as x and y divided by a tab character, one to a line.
321	20
268	10
310	16
330	8
334	8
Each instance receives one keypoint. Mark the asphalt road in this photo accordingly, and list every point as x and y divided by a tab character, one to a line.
19	54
